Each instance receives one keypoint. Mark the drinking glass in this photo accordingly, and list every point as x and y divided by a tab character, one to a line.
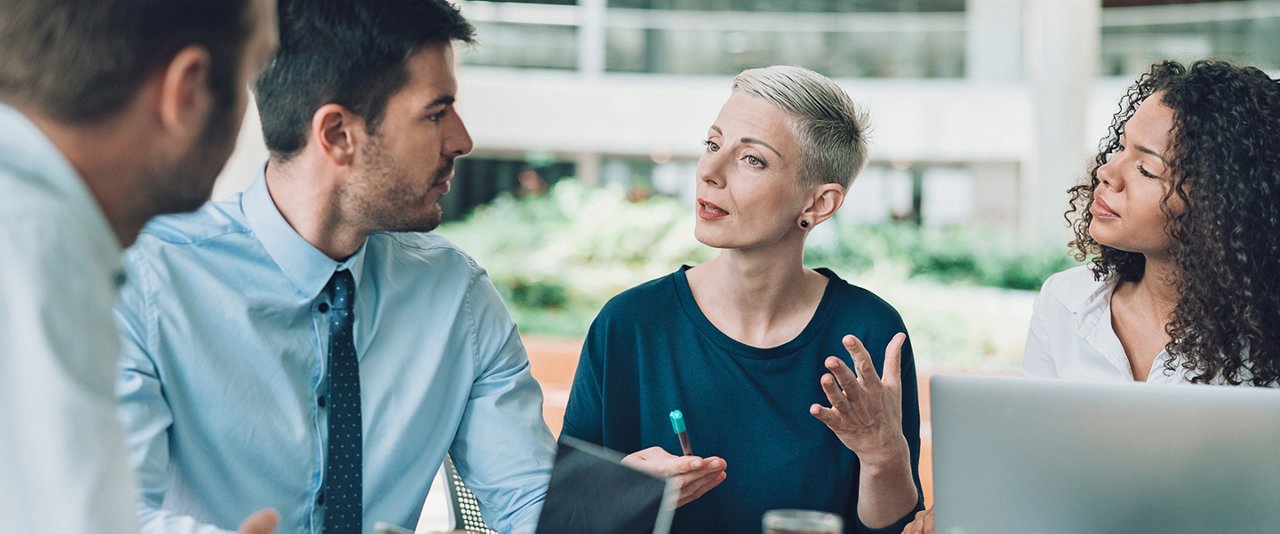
788	521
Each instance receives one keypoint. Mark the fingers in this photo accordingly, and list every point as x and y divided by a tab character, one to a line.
837	398
683	465
893	360
698	487
866	367
693	485
916	526
261	522
921	524
658	461
715	463
694	475
826	415
861	361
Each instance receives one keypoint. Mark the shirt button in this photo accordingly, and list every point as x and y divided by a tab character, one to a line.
320	401
320	499
324	307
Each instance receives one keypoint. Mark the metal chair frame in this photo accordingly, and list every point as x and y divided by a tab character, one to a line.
464	507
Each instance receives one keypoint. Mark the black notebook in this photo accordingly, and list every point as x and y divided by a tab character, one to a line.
592	491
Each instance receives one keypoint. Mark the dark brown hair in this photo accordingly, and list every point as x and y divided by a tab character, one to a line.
352	53
81	61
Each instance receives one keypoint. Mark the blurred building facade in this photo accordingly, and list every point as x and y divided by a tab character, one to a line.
982	110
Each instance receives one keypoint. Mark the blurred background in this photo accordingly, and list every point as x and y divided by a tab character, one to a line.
587	117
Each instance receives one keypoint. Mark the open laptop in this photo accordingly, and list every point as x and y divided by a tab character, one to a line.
1031	455
592	491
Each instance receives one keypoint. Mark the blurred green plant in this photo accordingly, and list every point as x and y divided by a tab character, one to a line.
969	255
557	258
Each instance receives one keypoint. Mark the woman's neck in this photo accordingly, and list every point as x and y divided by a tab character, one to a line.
755	298
1157	289
1140	313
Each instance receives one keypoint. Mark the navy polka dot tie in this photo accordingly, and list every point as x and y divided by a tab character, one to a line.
342	478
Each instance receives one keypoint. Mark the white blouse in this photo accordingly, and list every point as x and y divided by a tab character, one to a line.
1071	335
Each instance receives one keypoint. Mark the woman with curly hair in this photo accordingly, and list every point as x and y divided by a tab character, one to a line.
1181	214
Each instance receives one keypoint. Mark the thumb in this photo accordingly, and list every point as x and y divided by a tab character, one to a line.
893	360
262	522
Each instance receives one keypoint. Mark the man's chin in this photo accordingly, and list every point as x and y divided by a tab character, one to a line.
425	222
188	193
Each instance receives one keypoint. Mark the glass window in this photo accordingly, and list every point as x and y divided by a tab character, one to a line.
793	6
1134	37
881	52
480	179
505	44
553	2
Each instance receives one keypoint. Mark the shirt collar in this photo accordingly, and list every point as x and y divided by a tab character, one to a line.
26	149
1093	311
306	266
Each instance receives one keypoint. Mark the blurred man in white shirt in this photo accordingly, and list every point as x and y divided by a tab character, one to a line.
111	112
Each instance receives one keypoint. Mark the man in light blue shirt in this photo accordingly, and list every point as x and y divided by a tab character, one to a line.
307	344
113	111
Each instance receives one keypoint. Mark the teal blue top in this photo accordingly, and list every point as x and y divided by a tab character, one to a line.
651	349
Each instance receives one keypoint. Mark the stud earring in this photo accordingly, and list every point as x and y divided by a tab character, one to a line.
804	223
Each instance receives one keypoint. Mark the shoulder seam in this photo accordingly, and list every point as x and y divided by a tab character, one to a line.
170	238
441	244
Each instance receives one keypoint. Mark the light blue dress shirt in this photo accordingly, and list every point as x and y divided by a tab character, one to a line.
225	354
62	456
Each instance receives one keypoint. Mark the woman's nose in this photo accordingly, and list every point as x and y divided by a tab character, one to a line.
709	169
1107	174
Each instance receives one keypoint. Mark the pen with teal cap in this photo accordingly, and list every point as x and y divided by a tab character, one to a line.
677	424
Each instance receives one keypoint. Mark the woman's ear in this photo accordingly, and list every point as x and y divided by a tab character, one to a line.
824	201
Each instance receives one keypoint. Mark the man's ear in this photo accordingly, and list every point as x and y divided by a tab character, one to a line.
185	99
333	129
824	201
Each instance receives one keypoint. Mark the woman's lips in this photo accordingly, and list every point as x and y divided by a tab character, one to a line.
710	211
1099	208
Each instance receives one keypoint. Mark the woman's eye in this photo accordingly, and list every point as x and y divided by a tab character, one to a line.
711	145
754	162
1143	171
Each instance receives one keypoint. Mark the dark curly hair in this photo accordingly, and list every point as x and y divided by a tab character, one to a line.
1224	162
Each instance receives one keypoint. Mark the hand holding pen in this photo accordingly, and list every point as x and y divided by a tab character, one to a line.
694	475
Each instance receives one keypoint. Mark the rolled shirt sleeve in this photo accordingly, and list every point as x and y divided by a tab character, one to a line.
503	448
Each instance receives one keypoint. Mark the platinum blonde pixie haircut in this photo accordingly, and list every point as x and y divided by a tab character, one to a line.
830	129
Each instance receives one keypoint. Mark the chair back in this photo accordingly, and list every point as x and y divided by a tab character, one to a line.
464	508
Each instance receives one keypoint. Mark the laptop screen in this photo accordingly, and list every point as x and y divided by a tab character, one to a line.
592	491
1053	456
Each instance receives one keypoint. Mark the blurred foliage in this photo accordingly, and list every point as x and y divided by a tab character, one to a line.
556	259
970	255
